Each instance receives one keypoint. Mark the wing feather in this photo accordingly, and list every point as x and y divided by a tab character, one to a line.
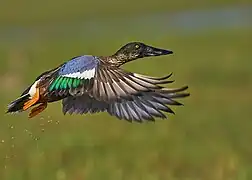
112	83
144	106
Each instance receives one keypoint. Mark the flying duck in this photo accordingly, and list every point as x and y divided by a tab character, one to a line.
92	84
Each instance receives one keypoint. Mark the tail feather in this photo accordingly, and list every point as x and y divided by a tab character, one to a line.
18	104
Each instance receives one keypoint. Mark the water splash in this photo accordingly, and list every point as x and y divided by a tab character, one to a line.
30	134
9	146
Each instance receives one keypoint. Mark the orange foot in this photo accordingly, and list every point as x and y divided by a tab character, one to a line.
35	111
31	102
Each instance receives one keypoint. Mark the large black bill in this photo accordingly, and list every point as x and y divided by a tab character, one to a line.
152	51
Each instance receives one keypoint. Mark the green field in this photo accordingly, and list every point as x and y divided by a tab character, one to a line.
208	139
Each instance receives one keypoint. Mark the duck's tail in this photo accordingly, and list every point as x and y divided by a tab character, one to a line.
19	104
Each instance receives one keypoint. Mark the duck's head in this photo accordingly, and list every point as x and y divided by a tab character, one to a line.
136	50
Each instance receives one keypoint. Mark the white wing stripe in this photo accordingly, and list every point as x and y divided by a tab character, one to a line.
84	75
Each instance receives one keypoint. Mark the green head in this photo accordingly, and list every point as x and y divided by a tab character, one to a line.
136	50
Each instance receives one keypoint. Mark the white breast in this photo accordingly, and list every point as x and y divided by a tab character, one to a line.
32	90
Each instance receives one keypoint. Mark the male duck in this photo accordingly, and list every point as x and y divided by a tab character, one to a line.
98	84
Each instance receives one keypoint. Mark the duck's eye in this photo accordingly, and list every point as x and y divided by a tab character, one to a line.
137	46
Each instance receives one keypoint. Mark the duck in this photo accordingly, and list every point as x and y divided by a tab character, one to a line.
92	84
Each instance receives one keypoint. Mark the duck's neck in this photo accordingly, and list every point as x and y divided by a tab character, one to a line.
118	59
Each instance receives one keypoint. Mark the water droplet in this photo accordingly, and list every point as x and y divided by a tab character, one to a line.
42	130
2	141
12	138
11	127
28	132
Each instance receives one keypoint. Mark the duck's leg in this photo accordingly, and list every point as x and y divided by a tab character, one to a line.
35	111
31	102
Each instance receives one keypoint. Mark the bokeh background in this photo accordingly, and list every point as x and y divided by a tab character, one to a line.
209	138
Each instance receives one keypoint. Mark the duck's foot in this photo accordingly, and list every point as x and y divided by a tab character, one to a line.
35	111
31	102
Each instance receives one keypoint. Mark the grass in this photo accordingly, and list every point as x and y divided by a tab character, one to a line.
208	138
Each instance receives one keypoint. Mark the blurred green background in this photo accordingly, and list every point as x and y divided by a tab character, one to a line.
209	138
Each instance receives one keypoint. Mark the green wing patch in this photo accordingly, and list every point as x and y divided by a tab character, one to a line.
64	83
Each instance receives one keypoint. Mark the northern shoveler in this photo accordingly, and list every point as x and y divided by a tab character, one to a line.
91	84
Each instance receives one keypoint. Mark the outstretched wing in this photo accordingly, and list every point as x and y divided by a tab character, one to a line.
111	83
144	106
147	106
101	80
